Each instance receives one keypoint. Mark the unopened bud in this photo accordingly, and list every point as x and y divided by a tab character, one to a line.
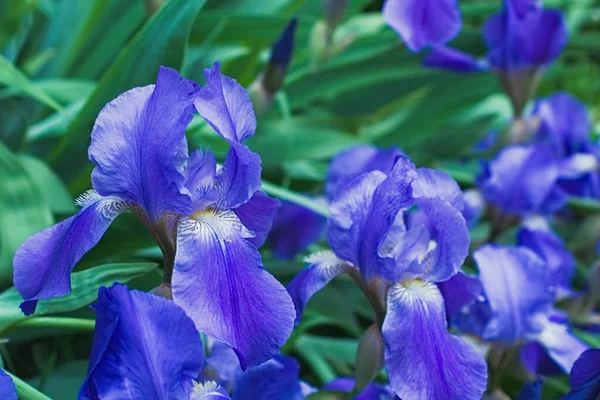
334	11
369	357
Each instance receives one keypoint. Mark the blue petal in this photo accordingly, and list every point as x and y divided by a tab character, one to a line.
536	360
283	48
474	207
139	145
373	391
423	23
8	391
294	229
432	184
239	178
222	365
220	282
532	391
533	40
564	122
562	346
356	160
323	268
551	249
521	180
145	347
460	292
257	215
43	264
276	379
423	360
226	106
585	377
452	60
516	283
200	175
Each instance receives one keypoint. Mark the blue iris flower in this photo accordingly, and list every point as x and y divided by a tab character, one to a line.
373	391
423	23
538	177
396	233
8	390
585	377
511	302
522	40
146	347
207	220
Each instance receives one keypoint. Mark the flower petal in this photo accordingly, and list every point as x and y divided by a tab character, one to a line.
323	268
139	145
239	178
8	391
257	215
585	377
294	229
277	379
474	207
222	365
226	106
220	282
423	360
43	264
561	345
459	292
531	391
536	360
373	391
356	160
516	283
145	347
423	23
209	390
432	184
452	60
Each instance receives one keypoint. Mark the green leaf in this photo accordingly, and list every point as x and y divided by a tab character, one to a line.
26	391
13	78
23	210
293	197
84	284
162	41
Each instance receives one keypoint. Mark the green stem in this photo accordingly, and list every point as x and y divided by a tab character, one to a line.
26	391
293	197
58	322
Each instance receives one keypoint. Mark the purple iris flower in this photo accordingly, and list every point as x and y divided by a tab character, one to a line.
145	347
8	390
511	302
423	23
538	178
397	234
522	40
585	377
207	220
278	378
373	391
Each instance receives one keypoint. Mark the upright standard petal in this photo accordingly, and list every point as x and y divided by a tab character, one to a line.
239	178
220	282
423	23
350	163
43	264
257	215
433	184
276	379
145	347
453	60
8	391
423	360
564	122
585	377
324	266
294	229
139	145
518	288
226	106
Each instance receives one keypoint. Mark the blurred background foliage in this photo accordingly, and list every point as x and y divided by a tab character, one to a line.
62	60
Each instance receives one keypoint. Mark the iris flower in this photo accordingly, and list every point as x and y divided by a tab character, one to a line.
511	303
538	177
585	377
207	220
397	234
522	39
423	23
